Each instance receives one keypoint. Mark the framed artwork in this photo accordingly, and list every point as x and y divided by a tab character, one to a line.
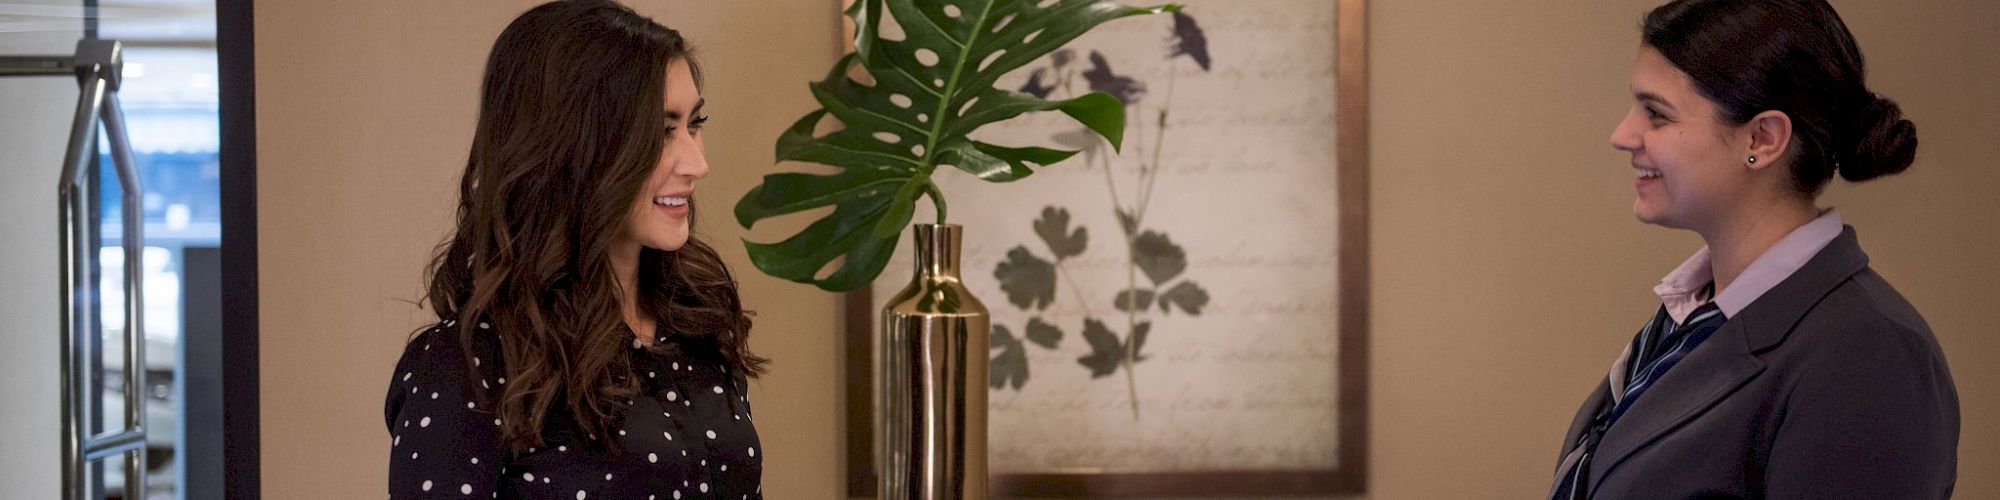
1185	315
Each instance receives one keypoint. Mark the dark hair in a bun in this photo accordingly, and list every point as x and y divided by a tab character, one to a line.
1796	57
1885	143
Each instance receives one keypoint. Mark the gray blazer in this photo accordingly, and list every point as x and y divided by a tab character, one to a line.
1830	385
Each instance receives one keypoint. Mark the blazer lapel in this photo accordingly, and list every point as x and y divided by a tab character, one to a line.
1771	317
1709	373
1578	425
1728	358
1584	417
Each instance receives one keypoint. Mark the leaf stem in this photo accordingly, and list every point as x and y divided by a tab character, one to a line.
1148	174
937	198
1159	143
1070	277
945	96
1131	280
1111	185
1131	322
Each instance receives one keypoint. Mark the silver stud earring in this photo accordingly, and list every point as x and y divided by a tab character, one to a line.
1753	159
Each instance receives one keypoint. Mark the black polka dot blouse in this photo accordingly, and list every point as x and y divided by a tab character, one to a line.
688	437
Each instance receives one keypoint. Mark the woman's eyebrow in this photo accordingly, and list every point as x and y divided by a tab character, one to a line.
674	116
1643	96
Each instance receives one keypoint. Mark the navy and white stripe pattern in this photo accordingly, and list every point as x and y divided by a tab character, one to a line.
1657	348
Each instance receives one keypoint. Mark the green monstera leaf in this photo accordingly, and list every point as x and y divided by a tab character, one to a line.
926	93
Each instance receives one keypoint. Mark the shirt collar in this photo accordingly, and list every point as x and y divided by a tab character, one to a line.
1681	291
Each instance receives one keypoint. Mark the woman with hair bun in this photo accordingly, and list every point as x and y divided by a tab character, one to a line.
1778	365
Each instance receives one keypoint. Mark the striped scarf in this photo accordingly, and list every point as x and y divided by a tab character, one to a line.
1657	348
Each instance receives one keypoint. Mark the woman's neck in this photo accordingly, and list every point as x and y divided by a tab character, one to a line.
625	268
1733	246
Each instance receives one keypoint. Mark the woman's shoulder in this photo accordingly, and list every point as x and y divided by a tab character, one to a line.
442	426
442	360
1867	313
1863	350
446	345
1861	331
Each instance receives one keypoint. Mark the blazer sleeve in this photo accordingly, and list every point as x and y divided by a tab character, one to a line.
1876	417
444	438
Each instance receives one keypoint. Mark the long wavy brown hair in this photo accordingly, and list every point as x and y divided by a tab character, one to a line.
571	123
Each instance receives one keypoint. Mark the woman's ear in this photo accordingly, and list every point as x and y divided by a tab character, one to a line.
1770	139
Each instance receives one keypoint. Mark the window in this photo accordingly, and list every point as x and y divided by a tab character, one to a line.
171	115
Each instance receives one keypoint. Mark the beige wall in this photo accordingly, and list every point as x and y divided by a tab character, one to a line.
1496	202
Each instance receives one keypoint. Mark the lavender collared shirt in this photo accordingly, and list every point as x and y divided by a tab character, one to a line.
1681	290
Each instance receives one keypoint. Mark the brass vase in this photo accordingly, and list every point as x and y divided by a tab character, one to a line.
930	380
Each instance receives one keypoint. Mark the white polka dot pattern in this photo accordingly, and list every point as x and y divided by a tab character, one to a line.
440	411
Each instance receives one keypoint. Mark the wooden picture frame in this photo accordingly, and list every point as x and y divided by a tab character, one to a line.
1350	332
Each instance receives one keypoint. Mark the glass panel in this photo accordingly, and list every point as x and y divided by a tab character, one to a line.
170	102
35	115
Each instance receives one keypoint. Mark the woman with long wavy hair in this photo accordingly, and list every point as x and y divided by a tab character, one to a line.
587	345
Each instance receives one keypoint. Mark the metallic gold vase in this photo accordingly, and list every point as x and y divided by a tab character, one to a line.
930	380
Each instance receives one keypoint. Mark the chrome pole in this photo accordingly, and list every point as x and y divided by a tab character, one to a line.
75	286
97	65
135	325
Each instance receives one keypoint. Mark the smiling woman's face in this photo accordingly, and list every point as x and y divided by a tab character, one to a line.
1686	159
660	215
